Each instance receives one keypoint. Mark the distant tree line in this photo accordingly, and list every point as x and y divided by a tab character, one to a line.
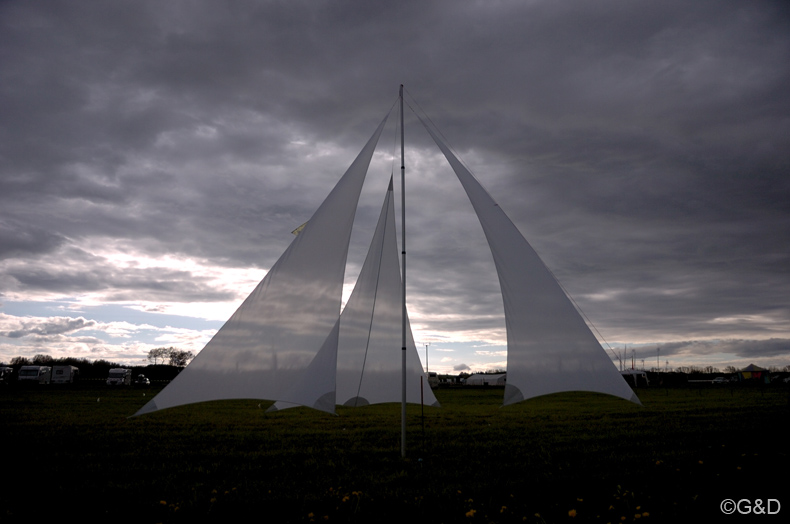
710	370
165	364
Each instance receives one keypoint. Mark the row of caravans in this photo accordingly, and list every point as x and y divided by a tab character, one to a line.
62	375
48	374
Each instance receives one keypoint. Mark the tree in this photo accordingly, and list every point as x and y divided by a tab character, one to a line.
42	360
159	354
180	358
173	356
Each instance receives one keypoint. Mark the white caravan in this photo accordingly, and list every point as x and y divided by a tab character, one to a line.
64	374
120	377
35	374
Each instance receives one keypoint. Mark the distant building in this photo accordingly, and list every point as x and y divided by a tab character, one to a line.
483	379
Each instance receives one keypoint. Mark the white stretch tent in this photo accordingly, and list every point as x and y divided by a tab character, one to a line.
368	353
549	346
275	334
284	342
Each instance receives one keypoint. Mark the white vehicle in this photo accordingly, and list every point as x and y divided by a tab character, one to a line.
35	374
433	379
6	374
64	374
119	377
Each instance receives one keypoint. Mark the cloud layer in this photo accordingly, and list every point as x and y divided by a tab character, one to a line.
157	157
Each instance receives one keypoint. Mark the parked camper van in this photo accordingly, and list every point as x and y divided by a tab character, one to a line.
35	374
64	374
433	380
6	375
119	377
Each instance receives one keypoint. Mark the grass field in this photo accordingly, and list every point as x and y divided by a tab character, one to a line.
563	458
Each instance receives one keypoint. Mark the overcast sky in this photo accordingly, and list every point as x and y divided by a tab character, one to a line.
155	156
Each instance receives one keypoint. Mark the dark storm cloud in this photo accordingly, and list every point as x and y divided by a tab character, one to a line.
74	272
21	239
736	349
129	285
639	146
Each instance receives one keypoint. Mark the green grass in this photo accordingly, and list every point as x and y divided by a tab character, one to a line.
603	458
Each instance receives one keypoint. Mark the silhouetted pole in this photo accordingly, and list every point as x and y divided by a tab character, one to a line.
403	255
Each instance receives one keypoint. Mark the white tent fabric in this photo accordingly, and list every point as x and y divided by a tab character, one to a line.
277	331
369	350
549	346
315	387
369	368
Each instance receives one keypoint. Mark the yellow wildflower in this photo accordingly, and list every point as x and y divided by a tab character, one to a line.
471	513
572	513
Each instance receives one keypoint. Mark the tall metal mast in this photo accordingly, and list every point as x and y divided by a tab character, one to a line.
403	265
